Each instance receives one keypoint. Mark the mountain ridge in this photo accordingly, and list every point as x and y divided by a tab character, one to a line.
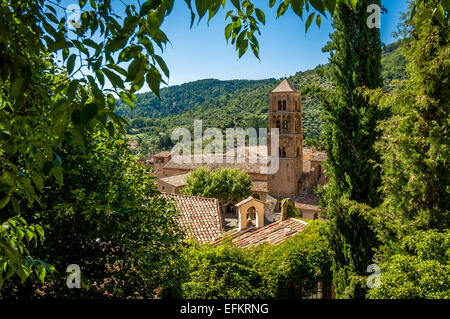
231	103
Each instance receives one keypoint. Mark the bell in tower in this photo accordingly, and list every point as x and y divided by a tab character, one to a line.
286	115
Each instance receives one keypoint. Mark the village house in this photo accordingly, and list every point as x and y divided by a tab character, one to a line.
199	218
300	168
252	232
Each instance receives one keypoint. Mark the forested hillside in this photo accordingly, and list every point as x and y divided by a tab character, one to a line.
234	103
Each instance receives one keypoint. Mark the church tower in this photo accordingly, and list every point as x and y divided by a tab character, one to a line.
286	115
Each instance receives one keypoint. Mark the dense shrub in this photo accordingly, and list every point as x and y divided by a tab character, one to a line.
292	269
420	270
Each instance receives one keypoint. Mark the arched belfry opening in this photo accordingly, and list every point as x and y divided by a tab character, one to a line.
251	213
252	217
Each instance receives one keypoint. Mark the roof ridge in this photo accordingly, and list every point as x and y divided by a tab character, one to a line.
285	86
191	196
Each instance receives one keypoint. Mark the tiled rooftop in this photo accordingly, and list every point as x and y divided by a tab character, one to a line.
284	86
217	161
274	234
199	217
176	180
163	154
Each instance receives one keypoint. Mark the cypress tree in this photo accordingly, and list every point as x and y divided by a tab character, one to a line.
350	132
416	143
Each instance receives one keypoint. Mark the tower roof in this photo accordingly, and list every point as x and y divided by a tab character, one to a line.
284	86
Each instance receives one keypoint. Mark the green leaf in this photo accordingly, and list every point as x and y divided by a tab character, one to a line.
318	5
126	99
41	272
16	88
309	21
58	173
439	14
37	180
71	89
297	6
148	6
318	20
228	30
88	113
115	80
4	201
162	65
282	9
71	63
236	3
330	5
202	6
260	15
243	46
154	80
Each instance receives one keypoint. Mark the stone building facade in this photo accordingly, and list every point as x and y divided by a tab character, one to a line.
285	115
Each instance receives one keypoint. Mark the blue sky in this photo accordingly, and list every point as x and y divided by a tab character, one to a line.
202	52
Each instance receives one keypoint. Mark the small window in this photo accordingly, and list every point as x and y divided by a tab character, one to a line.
284	105
279	105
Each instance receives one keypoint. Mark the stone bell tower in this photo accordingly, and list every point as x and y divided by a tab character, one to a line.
286	115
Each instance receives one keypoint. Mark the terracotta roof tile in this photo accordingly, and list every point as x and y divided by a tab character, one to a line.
199	217
214	162
274	234
284	86
176	180
163	154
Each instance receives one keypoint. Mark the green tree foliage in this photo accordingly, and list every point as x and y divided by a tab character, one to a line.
352	238
419	270
220	272
349	136
44	108
108	219
292	269
295	268
225	184
288	208
416	143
